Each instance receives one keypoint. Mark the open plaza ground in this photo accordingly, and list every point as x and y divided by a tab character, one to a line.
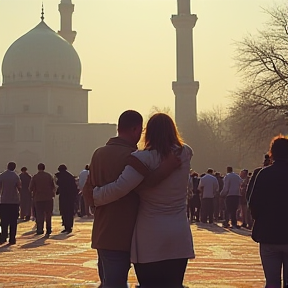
224	258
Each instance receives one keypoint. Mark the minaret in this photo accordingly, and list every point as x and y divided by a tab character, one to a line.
66	9
42	13
185	88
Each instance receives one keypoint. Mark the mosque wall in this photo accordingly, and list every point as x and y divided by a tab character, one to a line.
24	99
68	105
6	155
74	144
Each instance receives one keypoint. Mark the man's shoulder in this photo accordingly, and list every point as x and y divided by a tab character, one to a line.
205	179
209	176
234	175
266	171
212	179
42	174
15	175
110	150
4	173
9	175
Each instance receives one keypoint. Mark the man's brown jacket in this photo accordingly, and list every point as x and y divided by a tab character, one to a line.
113	223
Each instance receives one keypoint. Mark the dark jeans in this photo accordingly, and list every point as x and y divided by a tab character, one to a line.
44	211
274	258
232	204
216	207
113	268
207	210
194	206
162	274
9	216
67	213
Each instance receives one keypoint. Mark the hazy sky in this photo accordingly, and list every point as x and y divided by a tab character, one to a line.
127	47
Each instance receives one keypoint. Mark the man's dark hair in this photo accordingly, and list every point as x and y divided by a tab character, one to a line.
279	148
87	167
24	169
62	167
229	169
41	166
11	166
210	171
128	120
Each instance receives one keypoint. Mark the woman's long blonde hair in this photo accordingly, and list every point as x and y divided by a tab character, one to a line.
162	134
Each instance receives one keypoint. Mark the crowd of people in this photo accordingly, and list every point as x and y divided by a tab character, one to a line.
25	197
144	201
213	197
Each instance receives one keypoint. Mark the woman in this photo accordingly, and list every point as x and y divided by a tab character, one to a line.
268	204
162	241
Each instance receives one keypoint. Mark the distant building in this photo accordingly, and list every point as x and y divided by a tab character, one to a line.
43	107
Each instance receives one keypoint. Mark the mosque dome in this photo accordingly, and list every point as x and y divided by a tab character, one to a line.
41	55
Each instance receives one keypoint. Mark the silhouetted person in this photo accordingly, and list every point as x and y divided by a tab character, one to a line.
268	204
246	222
67	191
208	186
195	201
231	191
9	203
43	188
267	162
219	205
189	196
25	195
114	223
84	208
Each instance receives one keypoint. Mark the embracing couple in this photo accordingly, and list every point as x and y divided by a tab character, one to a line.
139	203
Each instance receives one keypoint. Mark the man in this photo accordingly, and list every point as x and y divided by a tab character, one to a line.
219	206
114	223
10	185
189	196
231	191
268	204
117	218
208	186
195	201
84	209
246	222
43	188
267	162
25	195
67	191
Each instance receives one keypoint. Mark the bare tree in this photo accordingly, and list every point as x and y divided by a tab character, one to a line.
262	61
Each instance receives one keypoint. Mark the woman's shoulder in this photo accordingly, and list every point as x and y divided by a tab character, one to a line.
187	151
142	154
148	157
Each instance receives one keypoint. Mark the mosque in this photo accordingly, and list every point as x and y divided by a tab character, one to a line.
44	108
